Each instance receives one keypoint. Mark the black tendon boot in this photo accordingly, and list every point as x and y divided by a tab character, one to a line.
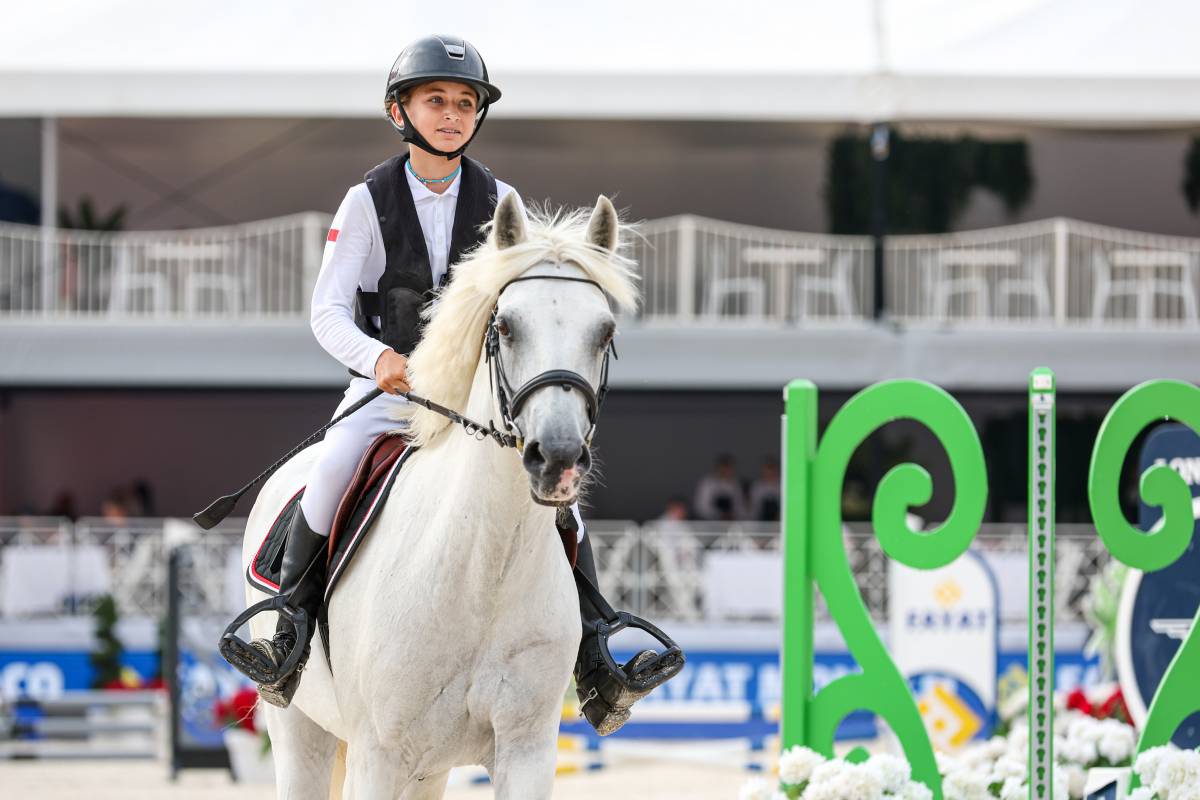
302	581
605	696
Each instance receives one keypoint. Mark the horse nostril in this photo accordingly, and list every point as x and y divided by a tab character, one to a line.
584	462
533	458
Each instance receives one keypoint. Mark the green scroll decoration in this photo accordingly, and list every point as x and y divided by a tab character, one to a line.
1178	695
815	551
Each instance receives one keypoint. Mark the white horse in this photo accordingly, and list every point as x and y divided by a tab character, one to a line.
454	630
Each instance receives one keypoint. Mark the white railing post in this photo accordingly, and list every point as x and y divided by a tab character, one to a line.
314	243
686	269
49	212
1061	256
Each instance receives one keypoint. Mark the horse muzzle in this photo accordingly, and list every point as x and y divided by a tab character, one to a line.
556	468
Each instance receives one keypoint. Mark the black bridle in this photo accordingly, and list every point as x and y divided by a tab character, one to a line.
511	402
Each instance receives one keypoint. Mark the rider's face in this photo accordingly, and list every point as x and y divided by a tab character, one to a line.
443	112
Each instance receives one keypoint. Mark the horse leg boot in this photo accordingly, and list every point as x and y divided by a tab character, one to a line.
604	698
302	581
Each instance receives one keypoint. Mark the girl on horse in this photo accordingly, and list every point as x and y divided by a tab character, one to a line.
393	243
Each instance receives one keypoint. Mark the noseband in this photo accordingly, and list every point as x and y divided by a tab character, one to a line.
511	402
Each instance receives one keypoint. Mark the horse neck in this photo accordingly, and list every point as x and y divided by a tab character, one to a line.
486	480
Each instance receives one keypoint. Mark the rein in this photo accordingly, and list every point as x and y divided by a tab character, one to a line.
475	429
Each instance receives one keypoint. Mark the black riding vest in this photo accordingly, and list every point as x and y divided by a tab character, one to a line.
407	281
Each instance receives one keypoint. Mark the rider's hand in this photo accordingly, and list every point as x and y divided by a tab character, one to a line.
391	372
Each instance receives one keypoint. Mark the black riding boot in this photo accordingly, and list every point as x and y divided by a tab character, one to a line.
604	698
302	581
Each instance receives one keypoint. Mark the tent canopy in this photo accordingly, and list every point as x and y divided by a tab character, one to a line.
1058	62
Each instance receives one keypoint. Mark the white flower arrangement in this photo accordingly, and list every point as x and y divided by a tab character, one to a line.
987	770
808	775
805	774
1167	773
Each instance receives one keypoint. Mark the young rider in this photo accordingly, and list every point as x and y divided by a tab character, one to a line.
393	242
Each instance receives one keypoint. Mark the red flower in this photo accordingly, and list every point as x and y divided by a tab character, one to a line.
1114	707
238	710
1077	701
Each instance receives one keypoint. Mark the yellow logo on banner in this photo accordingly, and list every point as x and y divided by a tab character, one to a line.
950	722
947	593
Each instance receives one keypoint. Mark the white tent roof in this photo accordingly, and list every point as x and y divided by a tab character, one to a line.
1070	62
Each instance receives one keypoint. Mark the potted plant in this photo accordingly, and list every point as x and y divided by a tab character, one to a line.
246	739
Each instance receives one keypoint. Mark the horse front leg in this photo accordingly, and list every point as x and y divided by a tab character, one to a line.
374	772
525	764
303	752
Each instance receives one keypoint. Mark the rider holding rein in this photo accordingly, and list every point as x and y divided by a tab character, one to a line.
393	243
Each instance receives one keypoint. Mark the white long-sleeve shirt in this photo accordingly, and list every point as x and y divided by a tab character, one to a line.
354	259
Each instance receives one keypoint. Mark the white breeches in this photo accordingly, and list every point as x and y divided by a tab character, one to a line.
343	448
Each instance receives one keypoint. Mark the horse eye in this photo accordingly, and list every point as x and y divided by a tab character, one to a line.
502	327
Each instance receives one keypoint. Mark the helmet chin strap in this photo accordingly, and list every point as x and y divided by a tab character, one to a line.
410	134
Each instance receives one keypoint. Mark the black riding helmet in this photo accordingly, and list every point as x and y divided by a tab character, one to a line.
433	58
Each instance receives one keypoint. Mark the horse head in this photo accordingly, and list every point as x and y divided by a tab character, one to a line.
531	315
550	338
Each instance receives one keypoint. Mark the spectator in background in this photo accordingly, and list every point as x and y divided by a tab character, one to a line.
113	511
719	495
765	493
63	506
119	505
142	497
674	516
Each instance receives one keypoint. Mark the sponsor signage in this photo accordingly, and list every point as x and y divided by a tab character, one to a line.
943	626
1157	608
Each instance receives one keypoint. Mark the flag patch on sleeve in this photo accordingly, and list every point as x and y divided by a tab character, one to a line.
333	234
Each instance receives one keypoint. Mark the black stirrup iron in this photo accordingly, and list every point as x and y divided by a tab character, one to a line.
646	674
251	661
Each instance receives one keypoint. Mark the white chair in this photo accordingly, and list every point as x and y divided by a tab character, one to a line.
1034	284
811	277
128	282
1145	283
838	284
228	287
722	287
959	272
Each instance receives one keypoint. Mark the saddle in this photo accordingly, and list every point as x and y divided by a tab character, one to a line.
359	507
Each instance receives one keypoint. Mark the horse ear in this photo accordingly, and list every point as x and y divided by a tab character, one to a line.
603	227
508	226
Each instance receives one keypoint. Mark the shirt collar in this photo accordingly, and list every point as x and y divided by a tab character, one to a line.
421	194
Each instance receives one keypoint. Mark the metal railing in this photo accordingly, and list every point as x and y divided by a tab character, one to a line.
695	271
78	562
260	269
703	270
665	572
1053	273
658	570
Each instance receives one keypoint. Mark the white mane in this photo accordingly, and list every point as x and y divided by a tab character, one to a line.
443	365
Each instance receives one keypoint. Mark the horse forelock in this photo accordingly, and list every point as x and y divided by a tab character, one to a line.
443	365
